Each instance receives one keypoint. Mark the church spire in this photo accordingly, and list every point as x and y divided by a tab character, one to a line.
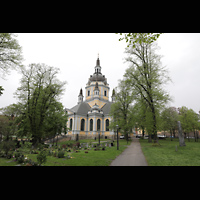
98	61
98	67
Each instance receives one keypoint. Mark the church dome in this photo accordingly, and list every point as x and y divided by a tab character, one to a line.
97	77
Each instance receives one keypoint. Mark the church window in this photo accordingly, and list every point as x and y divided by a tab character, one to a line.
91	125
82	124
98	125
107	124
105	93
70	125
88	92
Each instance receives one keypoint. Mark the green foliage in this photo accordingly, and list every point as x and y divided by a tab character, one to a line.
61	154
42	157
41	113
121	109
189	120
146	78
7	146
169	119
134	38
10	53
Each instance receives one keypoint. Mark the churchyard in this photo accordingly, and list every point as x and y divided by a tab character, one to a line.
86	152
169	153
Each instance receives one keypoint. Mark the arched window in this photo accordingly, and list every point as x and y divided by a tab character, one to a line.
91	125
82	124
88	92
105	93
107	124
71	123
98	124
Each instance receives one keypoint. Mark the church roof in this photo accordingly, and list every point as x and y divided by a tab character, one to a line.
81	108
84	107
106	108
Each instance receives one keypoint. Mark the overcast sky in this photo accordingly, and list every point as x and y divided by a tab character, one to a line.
75	54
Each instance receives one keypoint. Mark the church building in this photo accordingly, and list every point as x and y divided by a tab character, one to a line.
91	116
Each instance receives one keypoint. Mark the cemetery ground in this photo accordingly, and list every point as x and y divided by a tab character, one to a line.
167	154
87	153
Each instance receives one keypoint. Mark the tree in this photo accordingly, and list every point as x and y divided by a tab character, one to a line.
121	109
39	90
147	77
169	120
189	121
55	123
134	38
10	54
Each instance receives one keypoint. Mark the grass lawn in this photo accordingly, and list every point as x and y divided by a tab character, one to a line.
166	154
92	158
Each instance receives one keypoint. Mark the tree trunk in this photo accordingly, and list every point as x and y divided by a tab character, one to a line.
171	134
149	139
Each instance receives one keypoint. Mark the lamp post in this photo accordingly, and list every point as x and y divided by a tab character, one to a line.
117	137
99	138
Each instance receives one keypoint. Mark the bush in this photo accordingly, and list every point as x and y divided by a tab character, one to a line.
61	154
41	157
7	146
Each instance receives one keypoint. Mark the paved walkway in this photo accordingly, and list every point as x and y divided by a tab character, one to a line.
131	156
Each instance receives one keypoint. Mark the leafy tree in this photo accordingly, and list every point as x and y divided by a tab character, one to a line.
134	38
169	120
39	91
121	109
189	120
55	123
147	77
10	54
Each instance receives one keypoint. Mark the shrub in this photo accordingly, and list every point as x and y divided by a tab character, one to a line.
61	154
7	145
27	144
41	157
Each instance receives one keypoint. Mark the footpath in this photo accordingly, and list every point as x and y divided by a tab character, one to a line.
131	156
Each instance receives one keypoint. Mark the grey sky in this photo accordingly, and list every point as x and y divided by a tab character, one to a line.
75	54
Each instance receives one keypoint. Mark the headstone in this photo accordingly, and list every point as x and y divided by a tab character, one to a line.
92	145
50	145
106	144
109	145
87	145
180	134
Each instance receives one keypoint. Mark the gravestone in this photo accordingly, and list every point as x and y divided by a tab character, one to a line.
180	134
109	145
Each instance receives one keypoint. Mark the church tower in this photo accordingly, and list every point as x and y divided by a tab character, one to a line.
97	88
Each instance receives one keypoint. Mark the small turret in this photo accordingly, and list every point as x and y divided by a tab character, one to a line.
96	90
80	96
113	96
